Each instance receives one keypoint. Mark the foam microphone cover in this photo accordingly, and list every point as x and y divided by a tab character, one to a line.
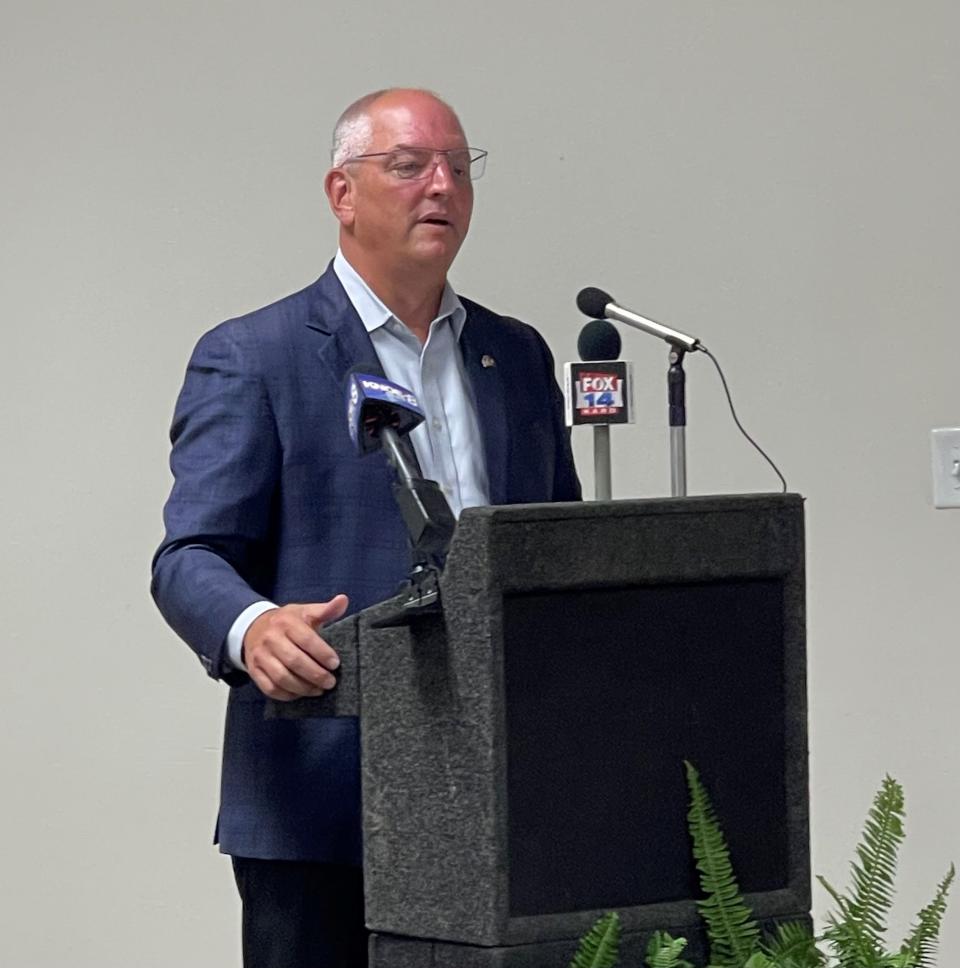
599	340
593	302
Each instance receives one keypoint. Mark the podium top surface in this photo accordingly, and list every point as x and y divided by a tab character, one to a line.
630	507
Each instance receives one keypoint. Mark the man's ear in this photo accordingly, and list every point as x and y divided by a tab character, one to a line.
339	188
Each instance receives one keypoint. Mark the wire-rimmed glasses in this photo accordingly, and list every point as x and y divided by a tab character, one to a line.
414	164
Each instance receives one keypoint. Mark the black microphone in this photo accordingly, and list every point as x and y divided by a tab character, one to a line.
599	340
599	391
379	413
595	302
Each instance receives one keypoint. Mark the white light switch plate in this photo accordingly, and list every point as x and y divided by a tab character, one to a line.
945	448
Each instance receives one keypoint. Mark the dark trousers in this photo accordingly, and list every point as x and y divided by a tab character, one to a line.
301	914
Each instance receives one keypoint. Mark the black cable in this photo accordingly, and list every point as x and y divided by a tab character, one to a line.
736	420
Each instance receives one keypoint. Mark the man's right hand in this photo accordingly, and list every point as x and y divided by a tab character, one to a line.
285	656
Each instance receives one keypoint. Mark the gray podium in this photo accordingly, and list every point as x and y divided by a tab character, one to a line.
523	752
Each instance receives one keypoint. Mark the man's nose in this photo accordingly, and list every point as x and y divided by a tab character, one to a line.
441	178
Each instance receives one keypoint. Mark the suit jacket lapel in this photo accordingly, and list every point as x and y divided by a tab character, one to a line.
348	343
488	393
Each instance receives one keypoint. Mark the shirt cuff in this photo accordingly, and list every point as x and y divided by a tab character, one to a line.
239	629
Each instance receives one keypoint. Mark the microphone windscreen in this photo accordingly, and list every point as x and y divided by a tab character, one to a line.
593	302
599	340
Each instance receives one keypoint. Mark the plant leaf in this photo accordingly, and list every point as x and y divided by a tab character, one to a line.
921	944
856	931
600	946
793	946
733	934
663	951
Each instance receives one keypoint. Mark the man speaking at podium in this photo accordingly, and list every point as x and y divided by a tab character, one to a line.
275	526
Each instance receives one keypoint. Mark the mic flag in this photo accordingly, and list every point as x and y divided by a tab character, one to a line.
373	403
598	392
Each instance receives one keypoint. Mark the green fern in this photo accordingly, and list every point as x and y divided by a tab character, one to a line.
663	951
793	946
759	960
600	946
921	945
856	935
733	934
856	930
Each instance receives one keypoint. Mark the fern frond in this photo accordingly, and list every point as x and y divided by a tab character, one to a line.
793	946
759	960
663	951
600	946
856	931
882	836
921	944
838	898
733	934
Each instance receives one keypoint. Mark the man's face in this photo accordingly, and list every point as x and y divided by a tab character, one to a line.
408	223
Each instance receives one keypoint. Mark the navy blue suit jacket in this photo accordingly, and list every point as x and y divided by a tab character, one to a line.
271	501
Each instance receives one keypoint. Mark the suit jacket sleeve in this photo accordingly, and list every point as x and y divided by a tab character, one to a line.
218	517
566	484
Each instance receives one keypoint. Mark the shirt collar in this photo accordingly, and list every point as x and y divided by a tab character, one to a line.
374	314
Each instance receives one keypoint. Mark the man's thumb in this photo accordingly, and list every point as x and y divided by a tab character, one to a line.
322	613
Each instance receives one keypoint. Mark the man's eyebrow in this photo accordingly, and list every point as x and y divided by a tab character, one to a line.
405	146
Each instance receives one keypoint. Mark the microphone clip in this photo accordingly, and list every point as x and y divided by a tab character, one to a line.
422	599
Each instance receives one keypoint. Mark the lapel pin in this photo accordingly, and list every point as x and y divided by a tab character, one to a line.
486	361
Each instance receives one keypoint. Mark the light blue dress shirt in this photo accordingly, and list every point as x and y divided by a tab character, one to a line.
447	443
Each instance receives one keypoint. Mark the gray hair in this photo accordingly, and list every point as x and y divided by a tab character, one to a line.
354	130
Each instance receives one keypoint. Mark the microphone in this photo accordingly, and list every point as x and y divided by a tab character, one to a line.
595	302
379	413
599	340
599	391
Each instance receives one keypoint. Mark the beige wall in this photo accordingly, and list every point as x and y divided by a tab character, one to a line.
779	178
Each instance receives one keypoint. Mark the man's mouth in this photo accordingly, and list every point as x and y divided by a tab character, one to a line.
435	220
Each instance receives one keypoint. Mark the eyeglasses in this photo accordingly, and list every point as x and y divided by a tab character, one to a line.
414	164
